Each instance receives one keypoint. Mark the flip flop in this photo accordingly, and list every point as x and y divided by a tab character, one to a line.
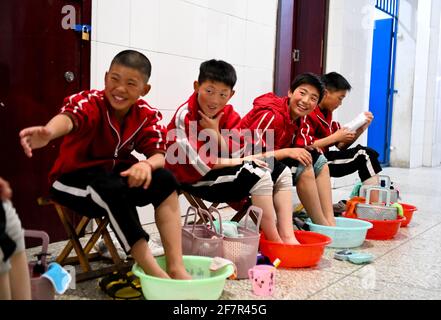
121	286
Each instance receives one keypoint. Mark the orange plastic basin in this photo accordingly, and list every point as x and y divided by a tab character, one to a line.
307	254
384	230
408	213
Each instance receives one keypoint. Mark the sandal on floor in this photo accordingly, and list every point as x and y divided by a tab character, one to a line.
122	286
300	224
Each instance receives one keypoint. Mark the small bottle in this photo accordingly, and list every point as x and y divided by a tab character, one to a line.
359	121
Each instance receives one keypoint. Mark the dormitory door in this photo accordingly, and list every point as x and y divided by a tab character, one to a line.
379	130
301	40
309	36
42	60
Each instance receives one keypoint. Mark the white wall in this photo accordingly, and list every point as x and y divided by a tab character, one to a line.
178	35
415	135
404	84
416	132
431	152
349	52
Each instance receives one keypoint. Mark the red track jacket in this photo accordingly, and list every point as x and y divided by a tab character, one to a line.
97	138
271	112
188	154
316	125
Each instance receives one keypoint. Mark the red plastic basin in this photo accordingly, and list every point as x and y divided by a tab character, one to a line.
384	230
408	213
307	254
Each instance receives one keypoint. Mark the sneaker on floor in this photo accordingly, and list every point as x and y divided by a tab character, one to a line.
104	252
300	224
156	247
297	208
339	207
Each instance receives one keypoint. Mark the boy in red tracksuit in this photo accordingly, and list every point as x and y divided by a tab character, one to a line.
204	157
95	171
321	131
281	116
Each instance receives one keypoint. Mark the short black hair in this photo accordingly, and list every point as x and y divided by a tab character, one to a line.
334	81
135	60
217	70
311	79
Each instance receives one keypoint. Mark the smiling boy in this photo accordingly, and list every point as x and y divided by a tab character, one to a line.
202	158
321	131
95	171
282	116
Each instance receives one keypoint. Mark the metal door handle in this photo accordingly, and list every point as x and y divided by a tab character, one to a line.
69	76
296	55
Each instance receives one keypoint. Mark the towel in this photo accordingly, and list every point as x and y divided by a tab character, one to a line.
219	263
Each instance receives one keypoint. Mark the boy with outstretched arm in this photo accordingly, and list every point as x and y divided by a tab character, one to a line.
95	172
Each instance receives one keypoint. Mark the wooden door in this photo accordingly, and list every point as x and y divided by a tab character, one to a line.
36	51
301	40
309	36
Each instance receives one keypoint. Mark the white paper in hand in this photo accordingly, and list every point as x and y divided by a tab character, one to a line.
358	122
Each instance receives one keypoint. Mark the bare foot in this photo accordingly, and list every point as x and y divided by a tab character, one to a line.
332	222
159	273
180	274
278	239
290	240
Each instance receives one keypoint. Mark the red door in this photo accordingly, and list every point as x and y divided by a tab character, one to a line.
309	36
41	62
301	40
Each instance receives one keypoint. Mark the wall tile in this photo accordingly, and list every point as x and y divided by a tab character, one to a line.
174	83
260	46
112	21
217	35
262	12
237	29
237	8
144	24
257	82
184	33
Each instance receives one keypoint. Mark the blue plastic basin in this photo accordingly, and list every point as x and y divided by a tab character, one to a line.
349	233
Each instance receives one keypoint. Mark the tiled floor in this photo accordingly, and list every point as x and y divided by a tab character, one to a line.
407	267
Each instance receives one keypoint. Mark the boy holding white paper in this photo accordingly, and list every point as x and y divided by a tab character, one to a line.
319	130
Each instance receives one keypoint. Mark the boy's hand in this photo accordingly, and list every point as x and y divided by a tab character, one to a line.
210	123
344	135
34	138
314	148
140	174
300	154
260	163
5	190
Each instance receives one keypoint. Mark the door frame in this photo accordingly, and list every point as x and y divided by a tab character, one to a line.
86	50
391	8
